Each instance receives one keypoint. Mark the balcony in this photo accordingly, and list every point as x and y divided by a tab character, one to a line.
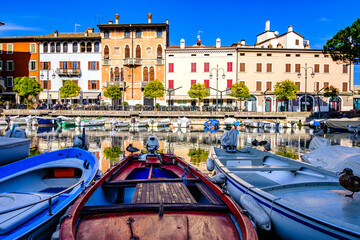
106	62
132	61
68	72
120	84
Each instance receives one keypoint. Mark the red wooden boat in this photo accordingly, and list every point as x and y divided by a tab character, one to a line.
155	196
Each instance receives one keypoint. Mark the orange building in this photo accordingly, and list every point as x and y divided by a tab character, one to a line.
19	58
133	55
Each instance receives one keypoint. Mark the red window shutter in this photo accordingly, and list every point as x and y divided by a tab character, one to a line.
229	66
89	65
61	65
79	65
41	65
89	84
171	84
193	67
171	67
193	82
206	67
97	85
41	84
70	65
97	65
49	84
207	83
49	65
229	83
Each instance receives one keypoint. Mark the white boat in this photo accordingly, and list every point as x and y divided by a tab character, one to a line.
119	124
160	123
253	124
89	122
183	122
3	120
269	124
140	123
302	201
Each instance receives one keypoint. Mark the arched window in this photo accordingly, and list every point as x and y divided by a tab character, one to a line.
334	104
58	47
267	104
146	74
52	47
82	47
138	51
46	47
127	51
159	51
88	47
106	52
97	47
116	74
65	47
111	75
122	75
152	74
75	47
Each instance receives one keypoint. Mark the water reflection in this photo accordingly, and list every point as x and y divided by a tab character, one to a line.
110	145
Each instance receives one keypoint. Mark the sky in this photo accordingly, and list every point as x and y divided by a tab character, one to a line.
231	21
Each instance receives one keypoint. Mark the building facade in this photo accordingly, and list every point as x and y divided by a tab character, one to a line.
70	56
133	55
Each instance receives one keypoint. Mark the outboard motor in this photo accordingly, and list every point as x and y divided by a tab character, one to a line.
152	145
81	141
15	133
7	120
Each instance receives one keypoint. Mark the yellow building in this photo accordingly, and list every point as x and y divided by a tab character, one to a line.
133	55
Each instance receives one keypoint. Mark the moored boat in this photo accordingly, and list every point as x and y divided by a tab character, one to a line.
35	192
302	200
160	123
89	122
46	121
341	124
155	196
181	123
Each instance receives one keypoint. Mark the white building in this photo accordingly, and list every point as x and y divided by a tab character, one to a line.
213	66
70	56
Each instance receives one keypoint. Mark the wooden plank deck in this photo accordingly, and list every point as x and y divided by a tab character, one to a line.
209	194
162	192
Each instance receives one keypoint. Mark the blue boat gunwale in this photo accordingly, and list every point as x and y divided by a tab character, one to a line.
258	193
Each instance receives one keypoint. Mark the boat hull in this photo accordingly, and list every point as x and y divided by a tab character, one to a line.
46	121
13	149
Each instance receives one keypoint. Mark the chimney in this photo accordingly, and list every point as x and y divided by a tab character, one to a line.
56	33
290	28
242	42
182	43
86	33
90	30
117	18
218	43
149	17
238	44
167	21
110	21
267	26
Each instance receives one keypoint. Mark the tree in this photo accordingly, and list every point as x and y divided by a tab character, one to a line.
26	87
345	44
331	91
154	89
285	90
69	90
240	91
198	91
113	92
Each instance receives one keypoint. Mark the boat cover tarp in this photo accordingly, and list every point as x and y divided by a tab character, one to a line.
335	158
318	142
229	139
341	123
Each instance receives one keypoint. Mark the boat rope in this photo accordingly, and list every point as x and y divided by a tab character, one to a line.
183	175
272	204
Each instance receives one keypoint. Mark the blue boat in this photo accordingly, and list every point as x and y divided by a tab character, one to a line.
35	192
49	121
212	124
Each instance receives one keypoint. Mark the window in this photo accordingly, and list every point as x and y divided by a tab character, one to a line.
117	50
97	46
345	68
326	55
316	55
258	54
297	42
106	52
206	102
269	54
345	86
206	67
207	83
229	66
193	82
75	65
94	65
206	55
127	34
32	66
146	74
258	86
258	67
268	86
58	47
229	54
8	81
138	52
117	74
106	35
229	83
32	48
93	84
316	68
0	48
326	85
127	51
288	55
82	47
45	66
171	84
298	85
326	68
297	55
75	47
193	67
46	84
193	55
242	67
138	34
288	67
159	52
171	67
52	47
269	67
88	47
63	65
9	48
10	65
65	47
159	33
316	86
242	54
152	74
297	67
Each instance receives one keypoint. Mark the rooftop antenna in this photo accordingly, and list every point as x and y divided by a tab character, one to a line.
198	40
77	25
98	17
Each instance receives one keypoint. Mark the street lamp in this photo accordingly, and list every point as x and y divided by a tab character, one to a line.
221	92
53	77
312	75
170	90
217	69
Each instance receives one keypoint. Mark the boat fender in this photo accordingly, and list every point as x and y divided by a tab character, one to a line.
210	164
219	179
256	212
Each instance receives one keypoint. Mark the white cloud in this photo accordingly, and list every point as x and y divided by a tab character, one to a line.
323	19
15	27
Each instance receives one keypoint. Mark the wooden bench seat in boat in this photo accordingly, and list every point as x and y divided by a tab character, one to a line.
208	193
263	168
11	220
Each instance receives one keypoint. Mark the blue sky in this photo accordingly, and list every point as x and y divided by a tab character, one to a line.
231	21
